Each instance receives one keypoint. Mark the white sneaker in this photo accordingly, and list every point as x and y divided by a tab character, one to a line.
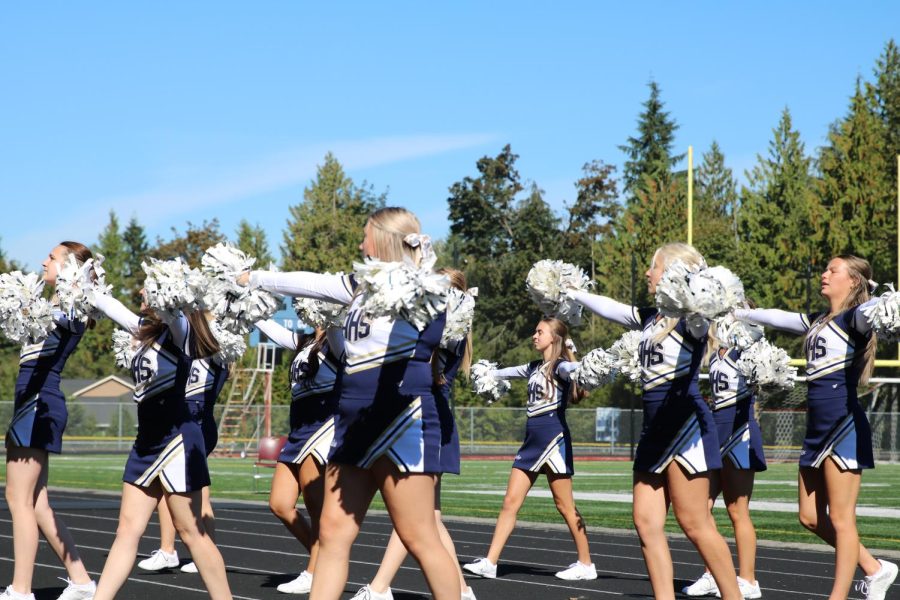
705	586
301	585
189	567
78	591
468	594
367	593
159	560
749	589
10	594
483	568
578	571
876	586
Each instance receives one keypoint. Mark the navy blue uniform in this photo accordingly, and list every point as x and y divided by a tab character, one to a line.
740	438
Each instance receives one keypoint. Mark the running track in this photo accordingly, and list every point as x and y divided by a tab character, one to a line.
260	554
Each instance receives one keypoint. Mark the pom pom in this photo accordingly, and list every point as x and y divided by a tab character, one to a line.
732	333
598	367
549	283
691	290
626	359
732	287
172	287
124	348
460	313
402	291
320	313
231	345
767	367
485	384
236	307
76	286
25	317
884	315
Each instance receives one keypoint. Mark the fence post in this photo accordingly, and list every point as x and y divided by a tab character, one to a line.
119	436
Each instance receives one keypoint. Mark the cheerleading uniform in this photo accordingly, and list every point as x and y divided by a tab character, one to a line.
449	360
205	382
678	424
548	443
169	445
387	405
740	439
313	399
836	424
39	412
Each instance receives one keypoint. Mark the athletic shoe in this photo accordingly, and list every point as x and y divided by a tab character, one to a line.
468	594
578	571
301	585
159	560
367	593
483	568
749	589
10	594
78	591
876	586
705	586
189	567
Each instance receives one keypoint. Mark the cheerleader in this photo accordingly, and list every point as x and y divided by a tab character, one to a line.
207	378
451	358
300	470
678	447
547	448
168	459
387	428
840	354
36	430
740	443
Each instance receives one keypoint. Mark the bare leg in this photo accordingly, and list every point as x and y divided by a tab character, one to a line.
516	490
187	514
737	488
651	504
283	502
312	484
561	488
166	527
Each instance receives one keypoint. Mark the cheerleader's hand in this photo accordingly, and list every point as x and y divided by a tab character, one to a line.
243	279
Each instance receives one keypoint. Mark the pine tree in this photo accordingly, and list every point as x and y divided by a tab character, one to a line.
715	209
112	247
858	203
325	229
592	216
136	250
649	154
191	244
252	240
887	90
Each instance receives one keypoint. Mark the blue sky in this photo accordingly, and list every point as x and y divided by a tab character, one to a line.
177	112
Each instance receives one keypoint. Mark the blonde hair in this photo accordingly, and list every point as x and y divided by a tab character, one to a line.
669	253
860	272
457	280
389	227
560	351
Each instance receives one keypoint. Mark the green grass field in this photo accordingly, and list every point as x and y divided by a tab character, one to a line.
478	492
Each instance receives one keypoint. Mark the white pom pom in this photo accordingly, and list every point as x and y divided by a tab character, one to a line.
732	286
732	333
549	283
460	313
884	315
236	307
673	293
320	313
596	368
231	345
691	290
25	317
171	286
402	291
767	367
625	355
124	347
485	384
76	287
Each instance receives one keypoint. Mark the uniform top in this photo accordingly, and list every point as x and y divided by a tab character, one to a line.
326	376
668	367
545	394
835	350
41	364
378	351
206	380
449	360
729	386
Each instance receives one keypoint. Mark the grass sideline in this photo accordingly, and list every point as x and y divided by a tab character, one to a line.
478	492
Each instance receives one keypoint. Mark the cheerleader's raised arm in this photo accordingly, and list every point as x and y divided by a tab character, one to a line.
305	284
609	309
563	371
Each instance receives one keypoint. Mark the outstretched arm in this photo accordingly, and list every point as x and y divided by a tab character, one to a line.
791	322
617	312
118	312
331	288
282	336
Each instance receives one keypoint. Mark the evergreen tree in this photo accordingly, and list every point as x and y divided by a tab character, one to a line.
887	90
715	210
649	154
112	247
858	204
325	229
593	214
252	240
780	224
136	250
191	244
